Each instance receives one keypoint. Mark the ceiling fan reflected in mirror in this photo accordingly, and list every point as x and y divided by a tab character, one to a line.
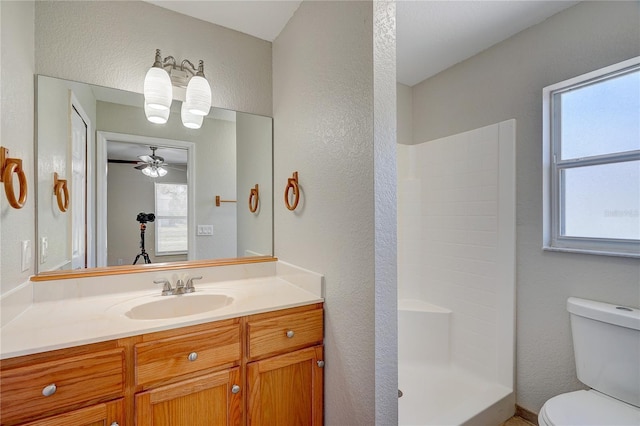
151	165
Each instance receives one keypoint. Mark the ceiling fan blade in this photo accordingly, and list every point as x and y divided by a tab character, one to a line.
145	158
141	166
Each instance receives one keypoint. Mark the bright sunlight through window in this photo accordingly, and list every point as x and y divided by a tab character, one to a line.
592	162
171	218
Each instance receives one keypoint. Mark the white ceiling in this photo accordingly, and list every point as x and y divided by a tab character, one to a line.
431	35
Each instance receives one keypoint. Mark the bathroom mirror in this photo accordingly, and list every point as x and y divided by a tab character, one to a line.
97	160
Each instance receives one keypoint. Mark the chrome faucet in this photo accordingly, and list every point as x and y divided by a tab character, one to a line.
190	288
166	290
180	287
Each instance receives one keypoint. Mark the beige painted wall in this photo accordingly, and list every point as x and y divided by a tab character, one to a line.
504	82
328	127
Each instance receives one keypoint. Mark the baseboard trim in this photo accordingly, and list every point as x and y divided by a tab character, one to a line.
529	416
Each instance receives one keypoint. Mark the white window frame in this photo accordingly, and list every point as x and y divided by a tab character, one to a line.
553	240
158	217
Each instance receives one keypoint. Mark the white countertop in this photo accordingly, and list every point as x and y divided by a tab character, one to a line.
68	322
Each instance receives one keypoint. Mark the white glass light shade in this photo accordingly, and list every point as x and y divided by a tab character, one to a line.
157	89
198	96
150	171
192	121
154	172
157	116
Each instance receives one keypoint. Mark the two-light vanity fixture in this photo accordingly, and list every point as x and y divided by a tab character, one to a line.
158	91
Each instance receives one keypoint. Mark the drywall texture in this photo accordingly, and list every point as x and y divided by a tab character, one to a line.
385	207
504	82
323	67
113	44
17	63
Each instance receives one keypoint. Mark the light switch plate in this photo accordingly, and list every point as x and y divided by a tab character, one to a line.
205	230
26	255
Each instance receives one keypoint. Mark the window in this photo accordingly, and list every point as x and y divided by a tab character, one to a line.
592	162
171	218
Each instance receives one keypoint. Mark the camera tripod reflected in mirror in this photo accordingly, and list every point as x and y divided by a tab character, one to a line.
143	218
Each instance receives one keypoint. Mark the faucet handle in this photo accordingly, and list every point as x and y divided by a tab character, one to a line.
166	290
190	288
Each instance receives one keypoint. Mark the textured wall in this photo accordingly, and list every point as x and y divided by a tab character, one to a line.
323	67
113	44
16	134
506	82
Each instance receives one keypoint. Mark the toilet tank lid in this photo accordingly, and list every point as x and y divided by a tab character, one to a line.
622	316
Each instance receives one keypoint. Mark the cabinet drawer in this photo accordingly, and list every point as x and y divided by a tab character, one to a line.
78	381
172	357
284	333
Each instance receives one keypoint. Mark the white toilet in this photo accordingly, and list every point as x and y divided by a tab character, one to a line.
606	343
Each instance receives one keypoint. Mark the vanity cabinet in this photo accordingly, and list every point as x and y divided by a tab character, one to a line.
190	376
285	368
59	383
107	414
211	399
263	369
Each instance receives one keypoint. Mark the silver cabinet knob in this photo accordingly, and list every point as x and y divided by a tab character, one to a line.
320	363
115	424
193	356
290	334
235	389
49	390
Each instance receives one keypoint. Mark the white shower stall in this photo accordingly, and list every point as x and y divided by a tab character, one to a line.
456	278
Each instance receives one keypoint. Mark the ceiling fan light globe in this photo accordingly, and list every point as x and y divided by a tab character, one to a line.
161	171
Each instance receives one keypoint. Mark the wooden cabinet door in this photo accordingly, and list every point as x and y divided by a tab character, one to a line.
107	414
286	389
209	400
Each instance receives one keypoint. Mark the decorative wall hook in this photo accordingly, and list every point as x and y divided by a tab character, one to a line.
292	183
254	199
218	201
61	192
9	166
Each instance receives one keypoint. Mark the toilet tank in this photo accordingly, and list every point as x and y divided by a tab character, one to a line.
606	344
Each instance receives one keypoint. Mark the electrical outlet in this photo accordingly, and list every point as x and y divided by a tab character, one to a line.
205	230
44	249
26	255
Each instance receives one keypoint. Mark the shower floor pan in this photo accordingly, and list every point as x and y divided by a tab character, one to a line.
443	396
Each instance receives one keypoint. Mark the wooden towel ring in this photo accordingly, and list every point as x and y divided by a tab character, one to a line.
254	199
61	192
292	183
9	166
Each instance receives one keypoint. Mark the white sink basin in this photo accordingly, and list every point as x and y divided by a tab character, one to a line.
178	306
